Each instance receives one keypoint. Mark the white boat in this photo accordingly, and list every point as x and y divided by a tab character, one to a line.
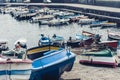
114	35
41	17
58	22
14	65
86	21
47	1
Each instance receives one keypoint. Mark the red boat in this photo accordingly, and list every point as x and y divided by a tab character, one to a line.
111	44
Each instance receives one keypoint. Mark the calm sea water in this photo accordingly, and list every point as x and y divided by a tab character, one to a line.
12	30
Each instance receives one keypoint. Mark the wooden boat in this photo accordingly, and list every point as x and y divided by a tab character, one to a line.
97	23
57	40
99	55
44	40
111	44
80	42
85	21
25	16
89	34
113	35
108	24
14	65
41	17
77	18
95	37
52	65
58	22
4	45
86	38
37	52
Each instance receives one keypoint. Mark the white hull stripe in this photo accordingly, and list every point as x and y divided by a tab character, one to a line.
15	72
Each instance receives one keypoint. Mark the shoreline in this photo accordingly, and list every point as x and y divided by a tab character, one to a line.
90	72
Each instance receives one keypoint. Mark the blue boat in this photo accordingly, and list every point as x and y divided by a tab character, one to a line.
44	40
51	66
98	23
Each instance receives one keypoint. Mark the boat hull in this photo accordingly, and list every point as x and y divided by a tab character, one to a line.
56	70
115	37
102	57
80	43
110	44
15	70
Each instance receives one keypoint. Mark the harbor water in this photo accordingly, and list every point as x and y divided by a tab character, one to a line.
12	30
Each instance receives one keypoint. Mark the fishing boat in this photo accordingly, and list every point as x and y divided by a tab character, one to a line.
52	65
111	44
89	34
85	21
14	65
3	45
80	41
58	22
109	24
44	40
38	51
57	40
113	35
99	56
41	17
97	23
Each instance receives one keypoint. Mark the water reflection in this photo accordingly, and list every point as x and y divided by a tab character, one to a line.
12	30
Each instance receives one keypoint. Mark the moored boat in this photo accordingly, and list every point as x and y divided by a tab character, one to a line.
44	40
3	45
109	24
113	35
80	41
57	40
97	23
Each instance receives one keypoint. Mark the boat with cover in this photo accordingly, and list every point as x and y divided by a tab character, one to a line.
52	65
101	56
14	65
